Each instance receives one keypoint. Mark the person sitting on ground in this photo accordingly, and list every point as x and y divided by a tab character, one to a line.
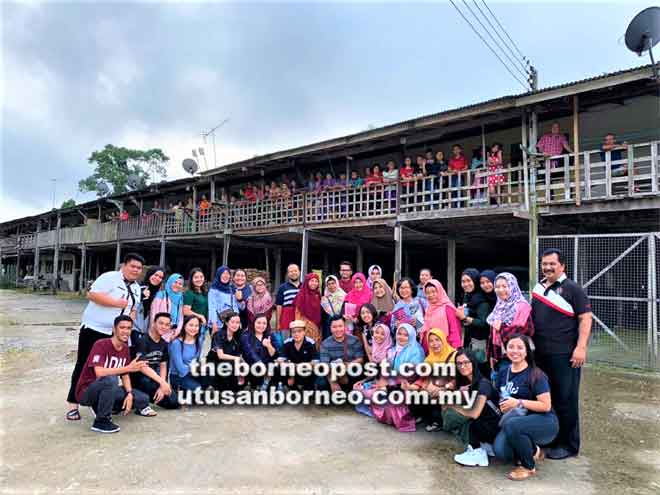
226	347
300	349
343	347
113	292
151	347
512	315
364	326
183	350
440	352
484	414
170	300
221	297
98	386
256	347
528	420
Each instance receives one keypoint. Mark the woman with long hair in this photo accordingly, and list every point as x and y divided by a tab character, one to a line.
367	318
226	347
153	281
308	307
183	350
257	348
170	300
528	420
196	299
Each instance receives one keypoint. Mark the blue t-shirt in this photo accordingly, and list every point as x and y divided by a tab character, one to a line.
520	385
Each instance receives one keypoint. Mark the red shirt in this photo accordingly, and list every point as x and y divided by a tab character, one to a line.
457	164
123	216
374	179
346	285
103	354
407	172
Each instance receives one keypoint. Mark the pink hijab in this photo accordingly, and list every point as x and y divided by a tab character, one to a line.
379	351
436	314
359	297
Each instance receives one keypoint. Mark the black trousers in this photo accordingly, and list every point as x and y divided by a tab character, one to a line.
429	413
105	396
149	387
87	337
565	392
483	430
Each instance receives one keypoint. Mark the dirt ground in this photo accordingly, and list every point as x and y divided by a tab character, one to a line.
278	450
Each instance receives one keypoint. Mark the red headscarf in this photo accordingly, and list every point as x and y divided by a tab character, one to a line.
308	301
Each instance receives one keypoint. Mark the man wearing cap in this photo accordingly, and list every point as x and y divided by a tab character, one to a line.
300	349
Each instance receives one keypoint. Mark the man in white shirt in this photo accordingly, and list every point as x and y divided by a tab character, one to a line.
112	294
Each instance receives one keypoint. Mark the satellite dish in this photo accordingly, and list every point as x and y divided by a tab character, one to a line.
190	165
643	33
102	188
133	181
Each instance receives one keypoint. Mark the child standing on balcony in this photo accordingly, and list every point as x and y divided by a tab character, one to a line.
457	165
495	176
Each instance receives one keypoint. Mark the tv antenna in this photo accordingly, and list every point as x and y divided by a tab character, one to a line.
643	34
211	133
190	166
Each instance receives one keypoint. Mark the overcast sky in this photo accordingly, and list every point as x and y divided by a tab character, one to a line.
79	75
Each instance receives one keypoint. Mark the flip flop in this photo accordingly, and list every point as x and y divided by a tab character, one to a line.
73	415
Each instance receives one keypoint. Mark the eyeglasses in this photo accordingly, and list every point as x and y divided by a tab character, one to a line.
463	364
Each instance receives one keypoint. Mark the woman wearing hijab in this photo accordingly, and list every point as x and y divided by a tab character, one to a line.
487	283
382	300
408	309
382	342
359	295
440	352
221	298
374	273
170	300
440	314
473	313
260	302
512	315
242	292
331	302
406	351
153	281
308	307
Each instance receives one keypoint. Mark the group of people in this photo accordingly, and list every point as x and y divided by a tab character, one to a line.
522	359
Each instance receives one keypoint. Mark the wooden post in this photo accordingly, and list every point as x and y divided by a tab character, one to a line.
451	269
398	251
267	257
225	248
214	261
83	269
533	233
56	256
326	263
97	271
194	212
576	144
118	256
18	264
304	255
212	191
141	208
100	219
36	252
278	269
359	259
162	259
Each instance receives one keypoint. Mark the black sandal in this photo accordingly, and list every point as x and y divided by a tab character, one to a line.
73	415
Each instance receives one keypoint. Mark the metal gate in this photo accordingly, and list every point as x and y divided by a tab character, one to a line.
620	274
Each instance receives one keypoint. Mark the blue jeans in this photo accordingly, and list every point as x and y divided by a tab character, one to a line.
185	383
519	437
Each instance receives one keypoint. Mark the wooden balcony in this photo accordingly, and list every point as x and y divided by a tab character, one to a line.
635	176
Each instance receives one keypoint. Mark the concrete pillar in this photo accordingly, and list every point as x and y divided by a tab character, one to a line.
304	255
398	251
118	256
451	269
162	260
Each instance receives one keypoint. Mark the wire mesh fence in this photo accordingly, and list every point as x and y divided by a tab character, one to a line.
619	273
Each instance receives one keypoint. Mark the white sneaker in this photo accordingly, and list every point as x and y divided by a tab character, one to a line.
472	457
488	447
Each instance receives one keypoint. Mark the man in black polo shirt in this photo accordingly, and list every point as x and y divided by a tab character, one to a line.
300	349
562	321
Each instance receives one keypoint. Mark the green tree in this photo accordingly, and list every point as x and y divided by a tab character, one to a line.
69	203
113	165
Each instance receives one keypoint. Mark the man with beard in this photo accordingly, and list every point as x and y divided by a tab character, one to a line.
562	320
286	312
346	276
